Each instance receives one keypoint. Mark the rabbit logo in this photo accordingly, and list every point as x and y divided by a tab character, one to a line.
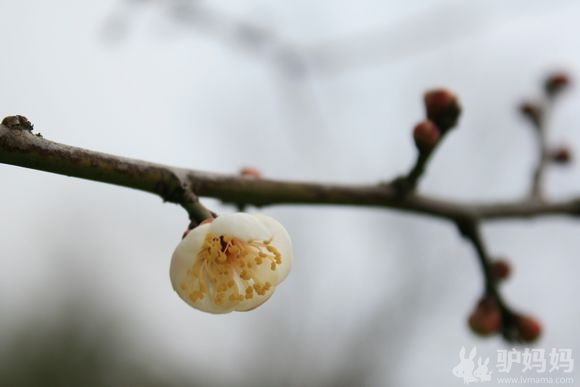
465	367
481	371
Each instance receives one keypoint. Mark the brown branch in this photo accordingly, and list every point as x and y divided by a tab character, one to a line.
539	127
18	146
173	184
538	176
470	229
408	183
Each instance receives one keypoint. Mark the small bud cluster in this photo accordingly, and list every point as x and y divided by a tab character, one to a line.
554	85
442	111
536	112
490	318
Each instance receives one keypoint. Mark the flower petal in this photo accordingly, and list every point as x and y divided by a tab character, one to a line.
282	242
241	225
185	255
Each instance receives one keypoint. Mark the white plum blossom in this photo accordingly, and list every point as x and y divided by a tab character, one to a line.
232	263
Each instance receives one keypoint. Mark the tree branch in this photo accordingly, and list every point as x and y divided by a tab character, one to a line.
180	186
20	147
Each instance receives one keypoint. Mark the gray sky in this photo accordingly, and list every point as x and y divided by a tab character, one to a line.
182	94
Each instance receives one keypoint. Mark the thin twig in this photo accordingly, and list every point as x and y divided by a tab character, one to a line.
197	211
543	157
470	229
408	183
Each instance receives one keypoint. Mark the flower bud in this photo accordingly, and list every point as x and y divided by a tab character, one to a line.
527	328
251	172
426	135
485	320
442	108
532	112
501	269
556	83
561	155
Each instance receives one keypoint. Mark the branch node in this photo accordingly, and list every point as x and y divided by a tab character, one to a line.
18	122
190	202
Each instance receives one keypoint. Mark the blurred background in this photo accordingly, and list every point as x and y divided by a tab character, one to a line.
323	91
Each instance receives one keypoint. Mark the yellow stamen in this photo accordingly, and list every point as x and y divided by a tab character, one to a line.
220	260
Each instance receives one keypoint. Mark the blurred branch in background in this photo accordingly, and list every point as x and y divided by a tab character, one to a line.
242	34
427	29
537	113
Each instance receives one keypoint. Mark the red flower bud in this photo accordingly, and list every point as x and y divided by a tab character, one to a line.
501	269
442	108
426	136
251	172
532	112
527	328
562	155
485	320
556	83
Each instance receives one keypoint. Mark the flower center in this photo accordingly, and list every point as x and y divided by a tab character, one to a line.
230	268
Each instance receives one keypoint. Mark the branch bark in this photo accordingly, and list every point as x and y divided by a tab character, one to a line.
183	186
